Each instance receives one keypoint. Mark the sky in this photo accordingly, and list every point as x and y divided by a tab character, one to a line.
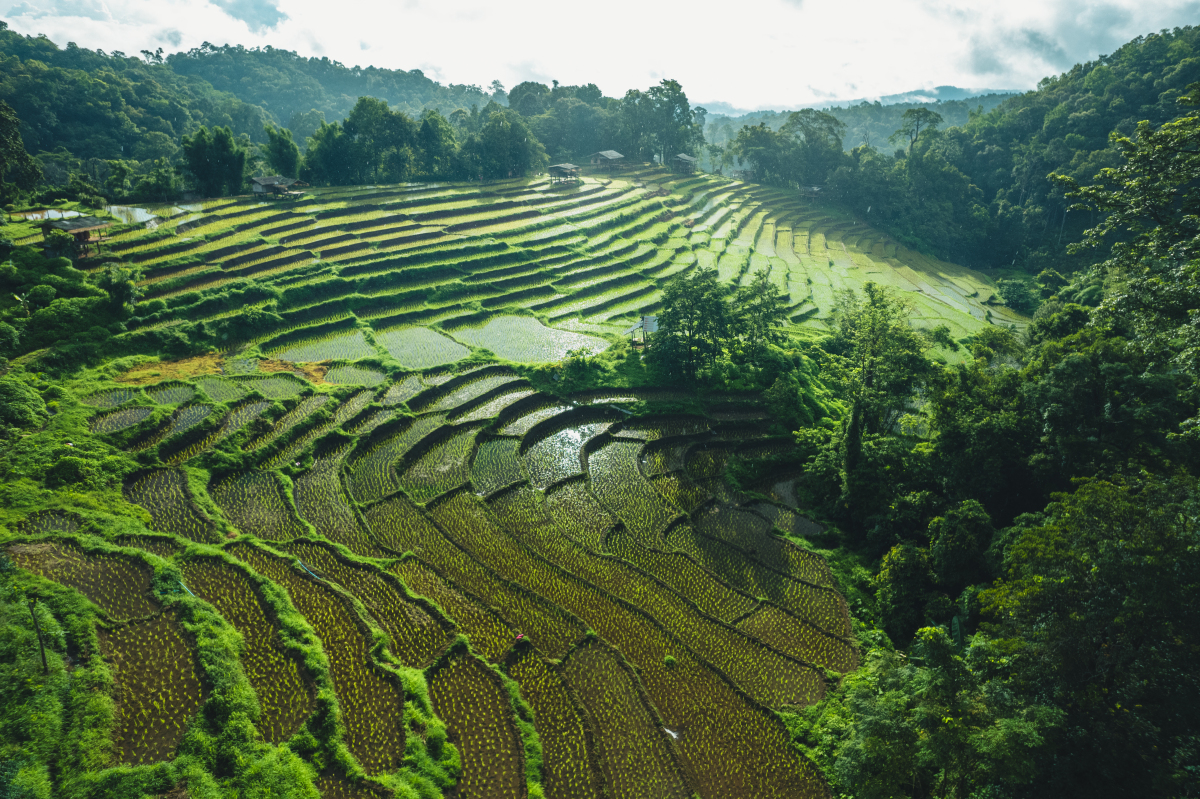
750	53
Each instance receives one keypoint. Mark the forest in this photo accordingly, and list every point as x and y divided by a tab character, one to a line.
442	478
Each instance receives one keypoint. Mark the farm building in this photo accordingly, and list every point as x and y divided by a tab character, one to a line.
81	229
274	184
607	159
563	172
684	163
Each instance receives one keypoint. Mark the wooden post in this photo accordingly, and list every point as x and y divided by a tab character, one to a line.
38	628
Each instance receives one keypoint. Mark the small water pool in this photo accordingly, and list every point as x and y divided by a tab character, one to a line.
43	214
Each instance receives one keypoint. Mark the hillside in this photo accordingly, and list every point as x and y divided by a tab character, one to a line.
584	543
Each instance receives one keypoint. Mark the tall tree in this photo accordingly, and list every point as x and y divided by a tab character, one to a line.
760	310
694	323
913	122
16	165
215	161
283	156
878	361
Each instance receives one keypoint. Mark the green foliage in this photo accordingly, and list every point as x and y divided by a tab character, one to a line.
694	324
16	165
283	156
1097	606
938	723
215	161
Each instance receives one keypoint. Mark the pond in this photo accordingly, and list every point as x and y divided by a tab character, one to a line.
43	214
133	215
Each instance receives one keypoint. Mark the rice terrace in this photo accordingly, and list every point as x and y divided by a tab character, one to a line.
434	518
451	443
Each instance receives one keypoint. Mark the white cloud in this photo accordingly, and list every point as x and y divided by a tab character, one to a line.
756	53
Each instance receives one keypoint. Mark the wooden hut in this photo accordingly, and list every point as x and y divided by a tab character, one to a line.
87	231
563	172
607	159
743	174
684	163
275	186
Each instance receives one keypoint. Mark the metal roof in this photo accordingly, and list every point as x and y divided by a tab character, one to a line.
611	155
274	180
77	224
562	166
685	157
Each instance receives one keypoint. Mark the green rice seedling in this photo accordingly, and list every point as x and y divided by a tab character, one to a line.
684	576
235	420
344	413
568	770
680	492
370	699
490	635
306	407
372	475
276	386
241	366
661	458
468	391
180	422
579	514
526	340
170	393
764	674
420	347
403	528
343	346
49	521
115	421
368	423
492	407
750	531
620	487
635	755
256	503
321	503
415	637
334	787
354	376
684	693
800	639
557	455
496	465
470	698
166	495
441	468
219	389
525	422
818	605
117	584
164	546
285	692
110	398
157	687
655	429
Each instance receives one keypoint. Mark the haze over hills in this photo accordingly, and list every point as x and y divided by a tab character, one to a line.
363	437
934	95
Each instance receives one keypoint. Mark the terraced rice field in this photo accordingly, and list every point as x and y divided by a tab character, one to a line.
403	504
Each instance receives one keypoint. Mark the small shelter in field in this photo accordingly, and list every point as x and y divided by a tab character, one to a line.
87	231
684	163
563	172
743	174
607	159
275	185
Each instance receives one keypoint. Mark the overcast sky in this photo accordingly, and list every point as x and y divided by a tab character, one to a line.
749	53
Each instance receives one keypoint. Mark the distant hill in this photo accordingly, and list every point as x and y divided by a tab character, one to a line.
934	95
866	121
